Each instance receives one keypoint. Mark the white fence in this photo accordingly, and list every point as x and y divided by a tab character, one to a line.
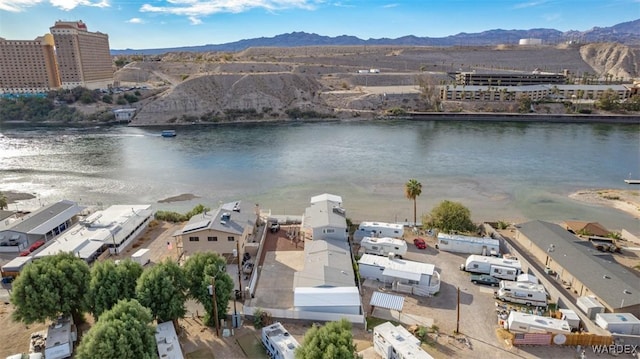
306	315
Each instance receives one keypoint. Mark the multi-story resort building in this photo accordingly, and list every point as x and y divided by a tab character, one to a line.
28	66
68	57
83	57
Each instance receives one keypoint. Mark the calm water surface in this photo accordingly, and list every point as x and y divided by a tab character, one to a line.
507	171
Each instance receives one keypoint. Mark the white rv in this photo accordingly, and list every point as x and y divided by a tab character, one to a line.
378	229
496	267
383	246
471	245
278	342
523	293
528	323
395	342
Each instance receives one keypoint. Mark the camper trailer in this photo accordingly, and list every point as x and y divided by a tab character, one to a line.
141	256
590	306
395	342
522	293
471	245
528	323
378	229
60	338
384	246
496	267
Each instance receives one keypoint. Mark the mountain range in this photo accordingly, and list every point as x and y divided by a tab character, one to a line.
627	33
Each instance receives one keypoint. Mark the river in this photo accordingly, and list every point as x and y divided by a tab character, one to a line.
499	170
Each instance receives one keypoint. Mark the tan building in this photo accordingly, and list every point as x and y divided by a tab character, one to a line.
225	230
581	269
28	66
83	57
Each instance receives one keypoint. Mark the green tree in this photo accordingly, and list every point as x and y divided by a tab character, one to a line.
451	216
524	103
413	189
111	283
333	340
4	203
124	332
608	100
162	289
199	270
51	287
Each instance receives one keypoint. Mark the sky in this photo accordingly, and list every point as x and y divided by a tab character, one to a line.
150	24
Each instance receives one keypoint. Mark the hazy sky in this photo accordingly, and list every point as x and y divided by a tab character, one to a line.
172	23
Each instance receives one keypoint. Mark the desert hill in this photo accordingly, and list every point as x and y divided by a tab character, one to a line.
267	82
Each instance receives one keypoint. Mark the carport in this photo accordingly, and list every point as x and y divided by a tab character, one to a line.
386	301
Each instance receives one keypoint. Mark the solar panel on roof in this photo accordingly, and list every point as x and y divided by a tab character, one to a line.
195	226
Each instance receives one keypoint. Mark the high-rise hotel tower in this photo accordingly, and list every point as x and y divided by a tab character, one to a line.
83	57
28	66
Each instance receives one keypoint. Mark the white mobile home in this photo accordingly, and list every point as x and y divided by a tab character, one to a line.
60	338
278	342
619	323
520	322
502	268
383	246
471	245
167	341
523	293
378	229
395	342
403	275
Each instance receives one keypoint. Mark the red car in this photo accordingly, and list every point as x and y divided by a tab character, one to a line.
36	245
25	253
420	243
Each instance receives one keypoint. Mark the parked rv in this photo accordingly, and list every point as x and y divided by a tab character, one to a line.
384	246
522	293
378	229
471	245
529	323
496	267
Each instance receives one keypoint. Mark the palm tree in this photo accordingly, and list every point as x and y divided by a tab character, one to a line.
412	189
3	201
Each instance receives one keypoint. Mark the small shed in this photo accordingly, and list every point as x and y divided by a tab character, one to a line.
590	306
619	323
344	300
13	268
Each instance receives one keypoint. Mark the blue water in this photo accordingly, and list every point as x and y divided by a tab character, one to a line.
501	171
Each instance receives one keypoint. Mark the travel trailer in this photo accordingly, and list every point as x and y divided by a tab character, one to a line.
395	342
520	322
378	229
471	245
384	246
496	267
522	293
278	343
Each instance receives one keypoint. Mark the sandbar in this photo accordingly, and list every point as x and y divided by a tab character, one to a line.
179	198
625	200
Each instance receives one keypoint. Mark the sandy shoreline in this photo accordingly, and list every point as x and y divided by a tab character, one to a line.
625	200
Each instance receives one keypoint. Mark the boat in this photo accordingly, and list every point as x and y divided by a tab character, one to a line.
632	181
169	133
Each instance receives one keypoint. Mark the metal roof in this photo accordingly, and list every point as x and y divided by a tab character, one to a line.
386	300
46	218
326	297
610	281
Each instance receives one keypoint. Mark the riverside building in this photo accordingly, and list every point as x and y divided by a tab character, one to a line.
28	66
83	57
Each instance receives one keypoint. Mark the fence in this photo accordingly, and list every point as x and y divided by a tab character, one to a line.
306	315
574	339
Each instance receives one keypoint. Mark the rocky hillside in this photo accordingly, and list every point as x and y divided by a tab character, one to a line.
267	83
616	60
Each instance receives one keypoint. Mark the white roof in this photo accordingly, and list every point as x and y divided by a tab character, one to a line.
368	225
522	285
280	337
618	318
570	314
167	341
526	277
109	226
474	240
536	321
326	296
16	263
384	240
402	341
326	197
140	252
398	266
494	261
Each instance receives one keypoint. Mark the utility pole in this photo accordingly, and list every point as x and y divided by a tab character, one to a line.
458	318
236	322
215	305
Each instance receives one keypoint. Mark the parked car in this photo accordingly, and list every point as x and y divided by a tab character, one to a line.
275	226
36	245
420	243
25	253
485	279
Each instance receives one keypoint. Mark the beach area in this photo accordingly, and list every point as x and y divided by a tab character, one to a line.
627	201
